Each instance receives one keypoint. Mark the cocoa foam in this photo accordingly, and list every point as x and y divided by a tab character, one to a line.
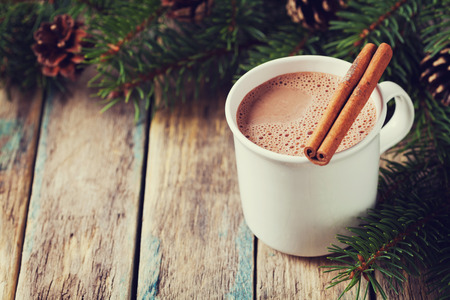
281	114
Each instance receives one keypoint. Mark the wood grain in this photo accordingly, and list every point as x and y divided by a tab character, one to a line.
19	124
82	220
194	243
282	276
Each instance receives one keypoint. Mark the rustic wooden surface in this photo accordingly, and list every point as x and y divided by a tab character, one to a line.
120	210
82	218
282	276
19	125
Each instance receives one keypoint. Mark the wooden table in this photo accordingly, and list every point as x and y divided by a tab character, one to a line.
96	206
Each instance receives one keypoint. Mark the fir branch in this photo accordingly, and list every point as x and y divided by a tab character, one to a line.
184	63
179	53
391	241
391	21
435	25
382	21
366	31
438	276
232	25
115	48
122	23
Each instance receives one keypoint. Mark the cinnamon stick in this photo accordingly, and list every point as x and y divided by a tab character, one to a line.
341	113
339	98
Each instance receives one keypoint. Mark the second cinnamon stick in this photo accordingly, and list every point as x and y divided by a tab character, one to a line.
339	98
355	103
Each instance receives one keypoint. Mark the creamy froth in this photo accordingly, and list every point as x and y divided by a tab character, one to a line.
281	114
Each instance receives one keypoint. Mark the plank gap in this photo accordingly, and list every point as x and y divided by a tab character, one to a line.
135	279
44	96
372	295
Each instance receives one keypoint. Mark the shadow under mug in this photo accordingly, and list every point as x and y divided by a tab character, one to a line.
291	204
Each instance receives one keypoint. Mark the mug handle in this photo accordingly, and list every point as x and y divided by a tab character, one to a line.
403	118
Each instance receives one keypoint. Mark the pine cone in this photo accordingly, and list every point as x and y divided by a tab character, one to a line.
58	46
436	75
313	14
188	10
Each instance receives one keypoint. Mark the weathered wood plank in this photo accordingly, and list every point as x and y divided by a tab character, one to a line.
282	276
19	124
194	242
82	220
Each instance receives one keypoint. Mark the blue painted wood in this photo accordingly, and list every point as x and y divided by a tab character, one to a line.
150	266
10	136
41	158
243	284
19	121
194	241
82	221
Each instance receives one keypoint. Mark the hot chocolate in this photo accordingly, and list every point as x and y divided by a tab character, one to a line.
281	114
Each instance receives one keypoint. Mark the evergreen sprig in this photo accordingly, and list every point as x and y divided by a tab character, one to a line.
435	25
129	67
394	240
375	21
438	276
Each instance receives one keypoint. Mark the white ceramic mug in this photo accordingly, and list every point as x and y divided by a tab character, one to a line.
291	204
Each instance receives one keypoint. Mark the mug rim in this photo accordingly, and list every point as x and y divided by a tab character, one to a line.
381	115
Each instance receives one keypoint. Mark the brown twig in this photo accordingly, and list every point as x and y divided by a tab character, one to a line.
114	48
365	264
232	25
363	35
300	45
